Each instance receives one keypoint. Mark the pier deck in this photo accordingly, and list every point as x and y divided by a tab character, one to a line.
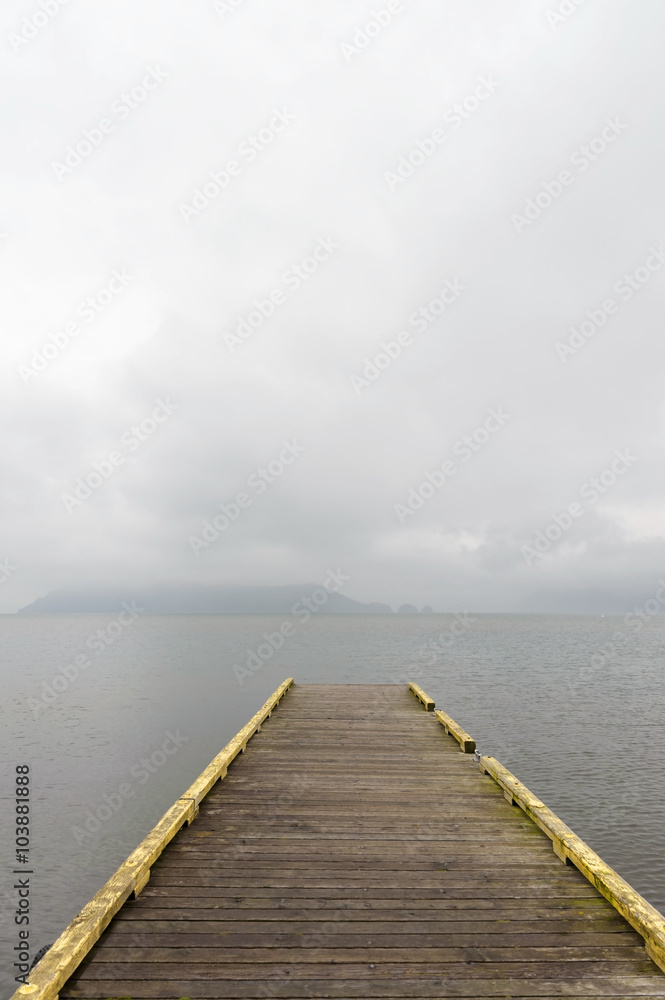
353	852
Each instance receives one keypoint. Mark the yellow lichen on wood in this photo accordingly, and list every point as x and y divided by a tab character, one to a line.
421	696
66	954
634	908
217	768
466	743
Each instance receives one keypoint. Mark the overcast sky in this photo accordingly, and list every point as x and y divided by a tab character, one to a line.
502	161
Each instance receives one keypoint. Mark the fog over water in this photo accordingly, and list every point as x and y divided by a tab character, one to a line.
312	273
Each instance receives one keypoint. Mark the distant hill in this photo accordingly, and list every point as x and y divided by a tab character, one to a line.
203	600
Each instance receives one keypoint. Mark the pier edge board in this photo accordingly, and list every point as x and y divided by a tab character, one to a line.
633	907
568	847
68	951
466	743
428	703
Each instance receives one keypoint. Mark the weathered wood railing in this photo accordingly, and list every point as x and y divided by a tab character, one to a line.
640	914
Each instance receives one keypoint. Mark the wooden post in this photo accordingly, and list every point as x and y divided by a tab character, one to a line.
421	696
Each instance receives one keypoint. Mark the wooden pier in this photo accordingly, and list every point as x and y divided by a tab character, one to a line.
352	851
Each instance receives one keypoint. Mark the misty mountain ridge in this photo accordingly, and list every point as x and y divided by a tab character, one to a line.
204	599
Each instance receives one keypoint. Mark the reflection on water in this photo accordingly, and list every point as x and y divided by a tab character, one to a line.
113	743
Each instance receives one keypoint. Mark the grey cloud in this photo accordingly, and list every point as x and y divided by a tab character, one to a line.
324	176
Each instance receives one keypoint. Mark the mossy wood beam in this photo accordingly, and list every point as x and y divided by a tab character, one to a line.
67	953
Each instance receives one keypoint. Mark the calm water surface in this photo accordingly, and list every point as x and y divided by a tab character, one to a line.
587	737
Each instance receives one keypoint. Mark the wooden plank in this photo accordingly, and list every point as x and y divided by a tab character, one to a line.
504	890
347	868
421	696
466	743
640	914
576	945
351	852
472	966
65	955
280	985
218	766
201	922
77	939
403	887
370	908
364	840
147	959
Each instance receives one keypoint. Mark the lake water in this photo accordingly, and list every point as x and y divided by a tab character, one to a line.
584	732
